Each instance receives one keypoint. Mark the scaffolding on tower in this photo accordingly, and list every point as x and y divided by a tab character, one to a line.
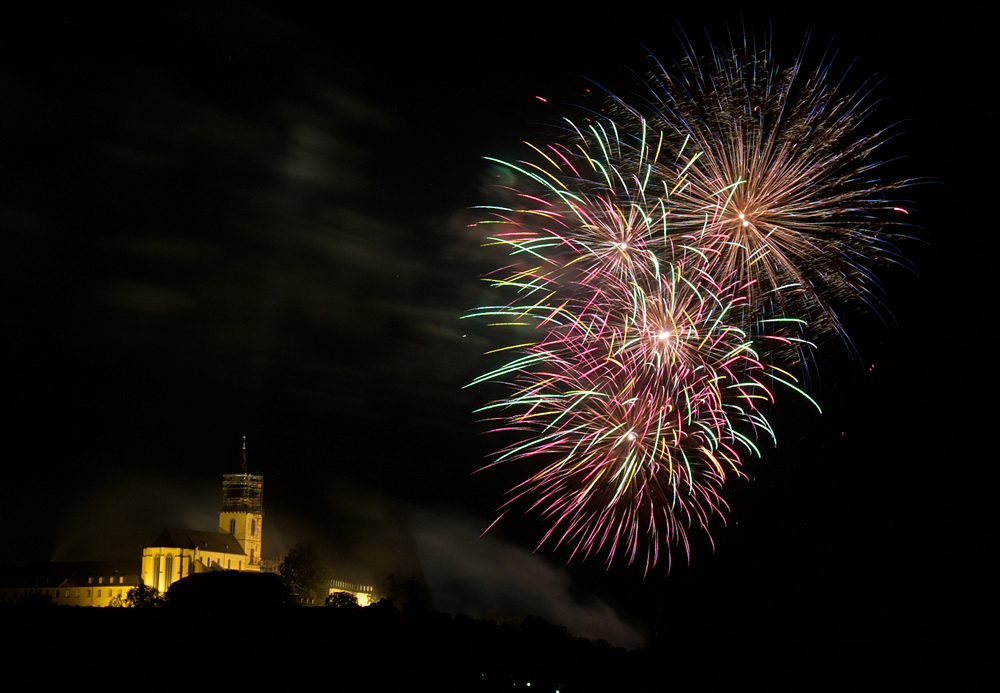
243	493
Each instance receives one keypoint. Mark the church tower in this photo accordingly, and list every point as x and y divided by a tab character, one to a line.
242	513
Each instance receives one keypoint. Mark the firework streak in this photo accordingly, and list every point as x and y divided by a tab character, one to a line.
661	272
784	186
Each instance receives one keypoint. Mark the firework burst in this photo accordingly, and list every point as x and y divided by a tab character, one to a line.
786	185
661	267
636	428
634	389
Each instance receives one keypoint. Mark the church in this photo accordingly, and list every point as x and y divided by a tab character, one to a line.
177	553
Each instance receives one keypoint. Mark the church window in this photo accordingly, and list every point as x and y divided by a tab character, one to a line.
232	526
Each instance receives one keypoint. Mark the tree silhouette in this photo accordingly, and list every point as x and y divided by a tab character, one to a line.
142	597
341	599
304	570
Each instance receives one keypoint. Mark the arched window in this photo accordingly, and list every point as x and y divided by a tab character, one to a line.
232	526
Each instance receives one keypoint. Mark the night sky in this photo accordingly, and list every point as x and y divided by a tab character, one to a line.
254	219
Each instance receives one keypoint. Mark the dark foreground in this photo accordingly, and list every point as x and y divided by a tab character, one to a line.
383	648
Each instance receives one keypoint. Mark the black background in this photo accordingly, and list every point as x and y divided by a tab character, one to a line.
252	219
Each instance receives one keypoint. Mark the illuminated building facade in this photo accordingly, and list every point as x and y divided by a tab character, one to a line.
178	553
78	583
363	593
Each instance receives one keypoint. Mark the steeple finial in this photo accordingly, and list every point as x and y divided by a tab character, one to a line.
244	454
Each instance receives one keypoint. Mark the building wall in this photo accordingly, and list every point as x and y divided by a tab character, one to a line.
247	527
156	560
86	595
98	588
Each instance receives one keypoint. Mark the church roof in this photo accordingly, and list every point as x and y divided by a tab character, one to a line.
204	541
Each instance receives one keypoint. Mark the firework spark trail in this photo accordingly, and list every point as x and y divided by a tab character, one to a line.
785	188
641	432
635	388
665	268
